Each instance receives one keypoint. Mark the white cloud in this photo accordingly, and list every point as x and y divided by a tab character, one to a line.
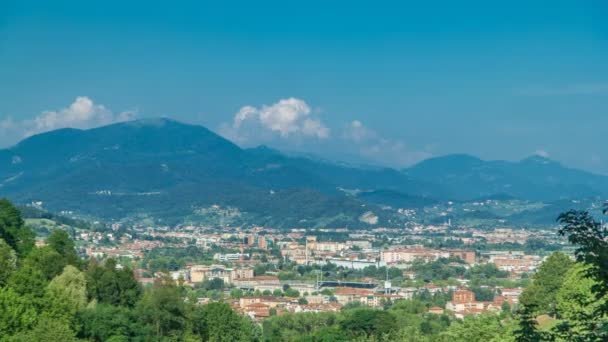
542	153
83	113
244	114
393	153
7	124
384	151
288	117
357	132
291	124
316	128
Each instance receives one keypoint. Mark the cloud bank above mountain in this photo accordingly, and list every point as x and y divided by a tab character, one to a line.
83	113
287	118
291	124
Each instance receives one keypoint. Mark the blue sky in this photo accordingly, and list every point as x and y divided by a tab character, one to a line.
387	83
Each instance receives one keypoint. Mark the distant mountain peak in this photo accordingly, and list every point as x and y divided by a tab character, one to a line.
155	121
447	161
537	159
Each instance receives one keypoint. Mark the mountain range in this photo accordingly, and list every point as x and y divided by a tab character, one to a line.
174	172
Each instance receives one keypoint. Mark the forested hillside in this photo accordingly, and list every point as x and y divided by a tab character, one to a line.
171	172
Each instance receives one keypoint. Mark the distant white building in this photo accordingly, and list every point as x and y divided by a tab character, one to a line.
230	256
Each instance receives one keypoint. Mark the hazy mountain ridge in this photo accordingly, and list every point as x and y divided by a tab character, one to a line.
167	169
533	178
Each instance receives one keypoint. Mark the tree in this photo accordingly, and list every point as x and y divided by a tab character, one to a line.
28	281
292	293
8	262
591	239
260	269
12	229
369	322
541	295
355	304
505	307
17	312
213	284
110	285
577	305
481	328
60	241
47	260
163	308
48	330
526	330
483	294
104	322
409	306
236	293
218	322
294	327
67	293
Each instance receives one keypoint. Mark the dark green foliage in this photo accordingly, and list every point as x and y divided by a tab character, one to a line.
591	239
218	322
365	322
10	221
483	294
47	260
12	229
163	309
577	293
104	322
541	295
48	330
259	269
352	305
60	241
291	293
487	270
212	284
171	259
433	299
527	330
304	326
110	285
8	262
480	328
28	280
438	269
17	312
533	245
585	318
